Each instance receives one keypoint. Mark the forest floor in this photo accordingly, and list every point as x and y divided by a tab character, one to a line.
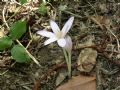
96	28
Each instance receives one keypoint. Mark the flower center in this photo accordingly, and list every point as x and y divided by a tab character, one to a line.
59	35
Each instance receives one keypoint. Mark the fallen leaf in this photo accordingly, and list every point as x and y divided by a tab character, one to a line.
61	77
87	57
80	83
101	20
87	60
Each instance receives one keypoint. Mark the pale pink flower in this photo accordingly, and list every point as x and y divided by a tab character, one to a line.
68	46
58	35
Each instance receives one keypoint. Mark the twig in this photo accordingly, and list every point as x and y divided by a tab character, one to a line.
30	55
37	84
30	40
9	18
3	14
98	76
75	15
92	7
118	44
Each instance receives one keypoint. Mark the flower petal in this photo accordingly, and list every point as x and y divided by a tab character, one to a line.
50	40
68	45
54	27
45	33
61	42
67	26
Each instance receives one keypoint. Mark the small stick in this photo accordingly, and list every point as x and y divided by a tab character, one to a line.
3	15
30	55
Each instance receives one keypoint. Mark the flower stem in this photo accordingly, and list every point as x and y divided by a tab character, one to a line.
69	56
66	57
68	61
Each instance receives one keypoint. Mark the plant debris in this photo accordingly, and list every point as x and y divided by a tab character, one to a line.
96	45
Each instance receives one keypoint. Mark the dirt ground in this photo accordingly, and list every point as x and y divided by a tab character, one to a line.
99	18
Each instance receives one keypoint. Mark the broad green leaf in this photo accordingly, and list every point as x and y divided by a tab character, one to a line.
42	9
23	1
19	53
5	42
18	29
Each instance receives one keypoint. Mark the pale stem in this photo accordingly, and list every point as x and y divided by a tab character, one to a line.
69	56
66	57
67	61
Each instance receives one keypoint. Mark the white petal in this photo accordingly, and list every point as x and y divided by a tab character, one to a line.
45	33
50	40
68	45
61	42
67	26
54	27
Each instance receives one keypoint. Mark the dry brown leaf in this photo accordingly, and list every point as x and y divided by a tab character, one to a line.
101	20
87	60
98	20
87	57
80	83
61	77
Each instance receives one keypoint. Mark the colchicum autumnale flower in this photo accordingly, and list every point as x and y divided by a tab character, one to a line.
62	39
58	35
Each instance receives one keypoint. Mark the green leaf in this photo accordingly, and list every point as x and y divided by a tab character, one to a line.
5	42
18	29
23	1
42	9
19	53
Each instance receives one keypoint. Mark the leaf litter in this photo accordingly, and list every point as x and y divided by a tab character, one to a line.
97	18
